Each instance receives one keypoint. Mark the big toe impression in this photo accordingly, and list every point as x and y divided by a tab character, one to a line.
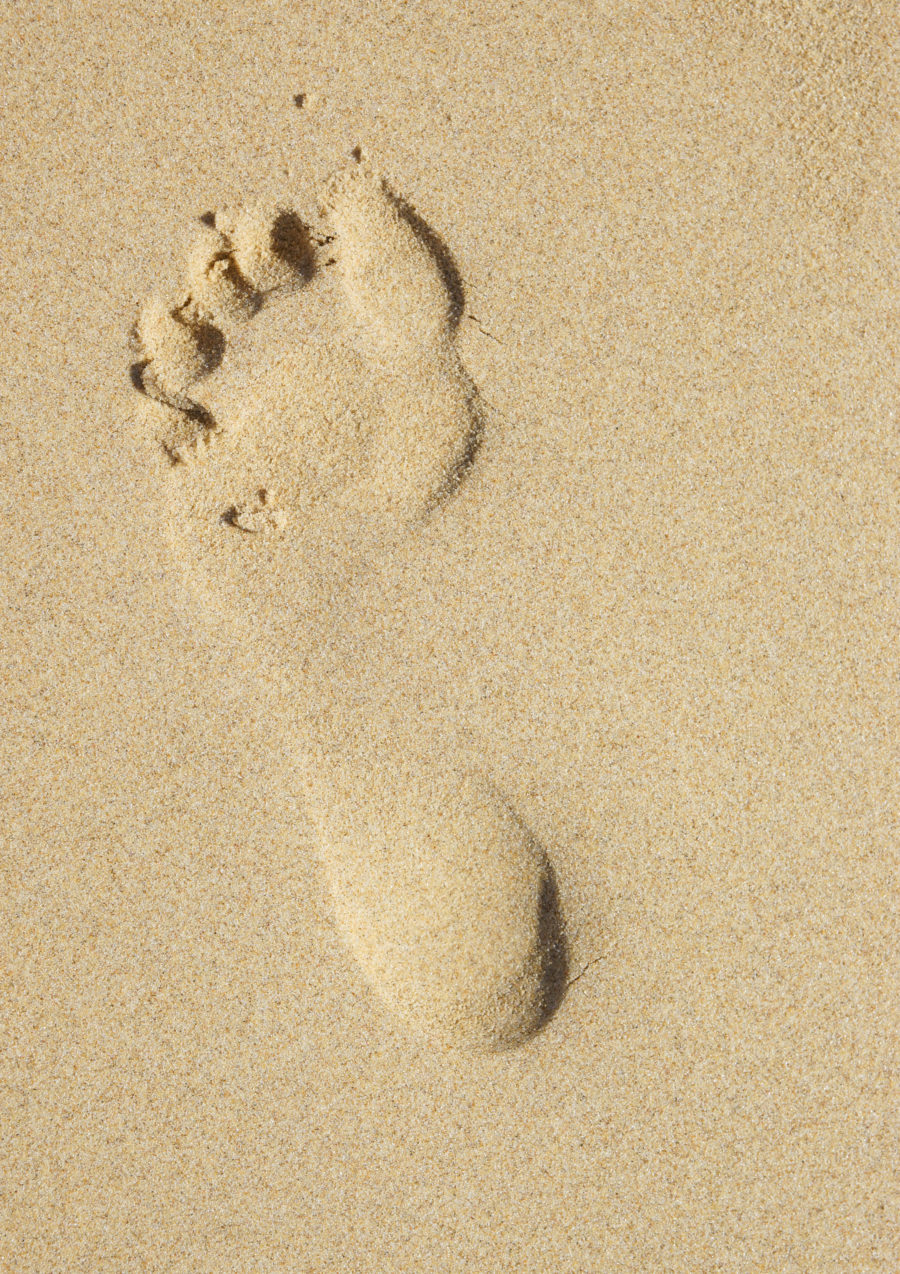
392	279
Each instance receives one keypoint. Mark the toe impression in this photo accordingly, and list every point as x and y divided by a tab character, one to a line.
393	281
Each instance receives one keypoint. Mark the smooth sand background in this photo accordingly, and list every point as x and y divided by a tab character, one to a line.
662	616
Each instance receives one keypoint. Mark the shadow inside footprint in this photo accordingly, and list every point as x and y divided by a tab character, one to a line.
136	374
464	462
441	254
291	242
554	950
211	344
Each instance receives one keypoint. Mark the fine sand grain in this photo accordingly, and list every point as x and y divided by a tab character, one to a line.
449	473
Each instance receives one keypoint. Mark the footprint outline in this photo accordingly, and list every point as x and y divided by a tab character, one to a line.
234	269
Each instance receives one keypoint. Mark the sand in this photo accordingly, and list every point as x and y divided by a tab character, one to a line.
450	737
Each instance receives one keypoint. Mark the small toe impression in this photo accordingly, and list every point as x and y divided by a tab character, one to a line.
215	282
271	246
184	436
180	347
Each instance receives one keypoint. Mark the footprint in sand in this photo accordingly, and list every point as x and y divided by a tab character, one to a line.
311	461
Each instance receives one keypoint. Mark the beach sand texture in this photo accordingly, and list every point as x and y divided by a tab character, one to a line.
450	744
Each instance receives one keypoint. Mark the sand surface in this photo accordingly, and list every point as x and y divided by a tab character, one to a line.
659	615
